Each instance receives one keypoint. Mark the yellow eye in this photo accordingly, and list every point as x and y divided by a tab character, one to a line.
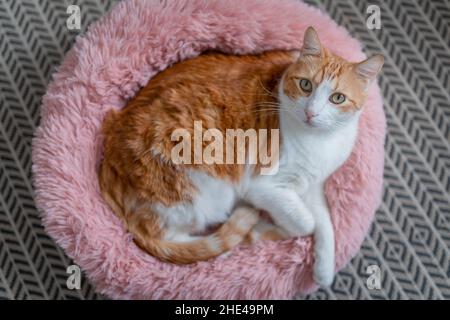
337	98
306	85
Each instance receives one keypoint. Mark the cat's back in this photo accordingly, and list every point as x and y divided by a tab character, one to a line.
217	89
213	71
213	64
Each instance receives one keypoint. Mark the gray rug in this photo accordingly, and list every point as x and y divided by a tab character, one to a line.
409	243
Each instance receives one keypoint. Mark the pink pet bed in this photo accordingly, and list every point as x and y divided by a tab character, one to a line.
106	67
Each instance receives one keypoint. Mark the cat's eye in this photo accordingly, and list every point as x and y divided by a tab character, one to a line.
337	98
306	85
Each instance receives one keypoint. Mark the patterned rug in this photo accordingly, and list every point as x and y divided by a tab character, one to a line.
406	255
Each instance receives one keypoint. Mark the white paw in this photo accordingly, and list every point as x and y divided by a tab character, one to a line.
303	227
307	226
323	274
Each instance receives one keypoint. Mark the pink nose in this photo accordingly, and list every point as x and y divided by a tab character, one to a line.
309	114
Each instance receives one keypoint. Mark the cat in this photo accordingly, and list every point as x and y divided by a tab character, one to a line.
312	96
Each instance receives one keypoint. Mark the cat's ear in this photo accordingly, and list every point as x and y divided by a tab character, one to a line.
311	43
369	68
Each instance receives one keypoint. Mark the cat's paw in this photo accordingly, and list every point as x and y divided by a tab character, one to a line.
307	226
323	274
304	225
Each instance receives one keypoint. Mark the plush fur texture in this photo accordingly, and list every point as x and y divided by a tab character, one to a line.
107	66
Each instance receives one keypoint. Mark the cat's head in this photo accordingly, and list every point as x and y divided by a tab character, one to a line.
324	91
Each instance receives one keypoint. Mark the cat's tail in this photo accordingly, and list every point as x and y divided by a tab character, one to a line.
148	230
230	234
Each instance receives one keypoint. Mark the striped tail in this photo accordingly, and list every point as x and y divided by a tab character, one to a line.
230	234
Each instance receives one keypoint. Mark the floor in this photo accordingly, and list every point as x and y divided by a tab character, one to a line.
410	239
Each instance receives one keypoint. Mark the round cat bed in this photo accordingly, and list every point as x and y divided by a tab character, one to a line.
106	67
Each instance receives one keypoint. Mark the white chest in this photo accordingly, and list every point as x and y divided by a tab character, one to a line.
312	158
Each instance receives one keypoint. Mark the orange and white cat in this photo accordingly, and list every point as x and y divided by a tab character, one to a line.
312	96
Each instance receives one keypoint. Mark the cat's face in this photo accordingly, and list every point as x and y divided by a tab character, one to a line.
324	91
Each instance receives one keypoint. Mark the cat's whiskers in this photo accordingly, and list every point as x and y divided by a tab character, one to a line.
268	92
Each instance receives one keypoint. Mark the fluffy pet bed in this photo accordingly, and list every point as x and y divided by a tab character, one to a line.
107	66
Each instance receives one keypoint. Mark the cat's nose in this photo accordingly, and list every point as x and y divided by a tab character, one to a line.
309	114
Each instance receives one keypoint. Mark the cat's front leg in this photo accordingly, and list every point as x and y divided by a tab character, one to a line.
324	241
284	206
